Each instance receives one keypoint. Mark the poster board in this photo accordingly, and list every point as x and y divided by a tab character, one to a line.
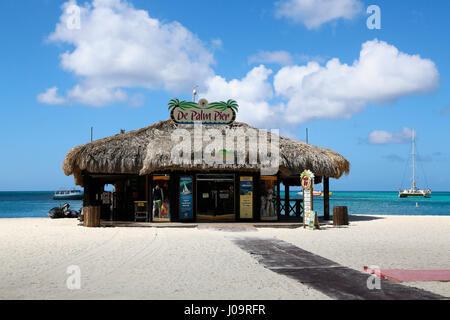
246	197
311	220
186	200
310	217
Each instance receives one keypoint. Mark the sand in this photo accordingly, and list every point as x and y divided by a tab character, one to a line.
201	263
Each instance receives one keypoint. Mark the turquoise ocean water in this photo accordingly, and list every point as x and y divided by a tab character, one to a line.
384	203
36	204
30	204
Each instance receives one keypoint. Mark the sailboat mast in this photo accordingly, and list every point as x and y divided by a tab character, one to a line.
413	160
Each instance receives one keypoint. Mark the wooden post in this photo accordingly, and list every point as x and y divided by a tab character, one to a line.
87	190
194	198
340	216
174	196
237	192
146	189
257	197
287	201
147	197
92	217
326	198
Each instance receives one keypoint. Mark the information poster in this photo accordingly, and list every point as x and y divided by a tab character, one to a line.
186	198
311	220
246	198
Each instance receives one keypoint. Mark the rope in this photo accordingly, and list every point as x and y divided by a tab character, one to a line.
404	172
423	170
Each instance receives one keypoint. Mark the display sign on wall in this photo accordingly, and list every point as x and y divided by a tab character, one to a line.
310	218
186	112
186	207
246	198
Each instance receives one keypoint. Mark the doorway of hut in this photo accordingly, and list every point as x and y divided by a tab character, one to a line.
215	197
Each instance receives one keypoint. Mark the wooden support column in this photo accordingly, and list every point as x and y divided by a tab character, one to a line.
146	189
256	197
287	201
147	198
87	201
326	198
92	217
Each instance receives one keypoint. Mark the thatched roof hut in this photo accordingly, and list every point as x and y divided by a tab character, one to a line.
148	150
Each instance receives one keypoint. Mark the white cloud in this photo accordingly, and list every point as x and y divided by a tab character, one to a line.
96	96
217	43
277	57
334	91
308	58
385	137
314	13
282	58
119	47
381	75
253	93
50	96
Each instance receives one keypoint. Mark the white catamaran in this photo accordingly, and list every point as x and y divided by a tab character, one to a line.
414	191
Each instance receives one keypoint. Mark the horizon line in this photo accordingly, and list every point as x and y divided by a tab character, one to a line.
434	191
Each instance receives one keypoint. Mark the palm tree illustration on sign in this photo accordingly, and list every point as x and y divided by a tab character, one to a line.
186	112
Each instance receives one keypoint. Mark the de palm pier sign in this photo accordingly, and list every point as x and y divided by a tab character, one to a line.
186	112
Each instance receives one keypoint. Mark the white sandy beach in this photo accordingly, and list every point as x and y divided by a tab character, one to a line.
172	263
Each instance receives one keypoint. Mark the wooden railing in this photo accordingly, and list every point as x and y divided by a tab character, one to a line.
290	210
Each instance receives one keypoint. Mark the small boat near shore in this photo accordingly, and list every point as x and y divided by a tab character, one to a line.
414	191
73	194
320	193
316	193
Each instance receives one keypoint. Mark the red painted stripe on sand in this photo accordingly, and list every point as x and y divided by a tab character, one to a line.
399	275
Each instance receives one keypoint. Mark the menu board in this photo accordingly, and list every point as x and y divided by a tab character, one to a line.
307	200
186	198
246	198
310	217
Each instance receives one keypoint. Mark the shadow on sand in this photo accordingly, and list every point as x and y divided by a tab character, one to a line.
351	218
356	218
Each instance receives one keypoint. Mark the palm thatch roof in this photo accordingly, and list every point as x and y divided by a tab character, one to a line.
149	150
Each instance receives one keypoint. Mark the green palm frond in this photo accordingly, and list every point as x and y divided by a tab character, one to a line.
222	106
188	104
184	105
173	103
233	104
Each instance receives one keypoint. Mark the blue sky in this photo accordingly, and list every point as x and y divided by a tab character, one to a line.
220	44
